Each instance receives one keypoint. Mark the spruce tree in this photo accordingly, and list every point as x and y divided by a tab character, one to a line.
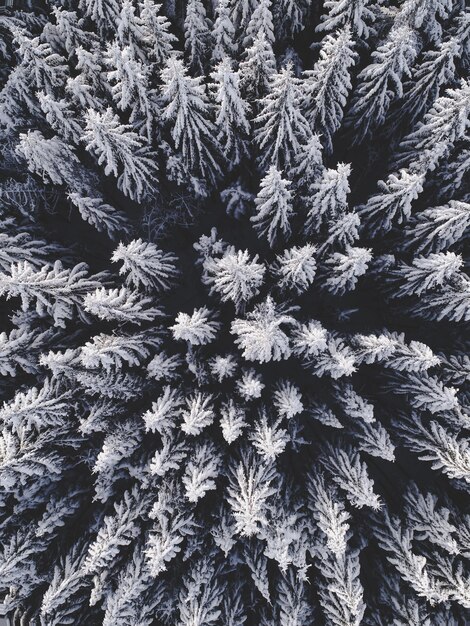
280	126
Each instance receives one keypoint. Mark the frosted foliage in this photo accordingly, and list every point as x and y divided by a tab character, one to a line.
109	351
444	124
288	400
161	417
129	81
223	32
232	421
249	490
372	348
281	128
223	366
261	21
429	521
329	84
399	191
235	295
198	414
56	291
19	350
330	515
60	117
120	304
68	578
273	206
164	366
52	159
122	151
427	273
100	215
446	452
232	111
145	265
200	473
157	27
437	228
309	339
341	596
296	268
209	245
374	440
354	405
351	476
329	196
188	112
355	13
235	276
382	79
196	329
196	33
45	68
260	334
269	440
412	568
336	360
345	269
38	408
250	385
258	66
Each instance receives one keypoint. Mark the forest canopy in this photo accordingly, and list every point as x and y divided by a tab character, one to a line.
235	304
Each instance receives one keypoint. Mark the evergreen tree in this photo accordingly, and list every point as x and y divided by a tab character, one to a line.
438	228
130	86
119	304
223	33
329	196
345	268
382	81
328	85
122	151
357	14
436	69
43	67
197	35
399	191
103	12
296	268
231	112
189	111
444	124
56	290
52	159
61	117
157	28
261	22
241	12
258	67
423	14
234	276
145	265
273	206
289	17
131	30
69	27
280	126
100	215
260	334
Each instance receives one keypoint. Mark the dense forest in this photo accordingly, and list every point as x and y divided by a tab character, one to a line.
235	311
